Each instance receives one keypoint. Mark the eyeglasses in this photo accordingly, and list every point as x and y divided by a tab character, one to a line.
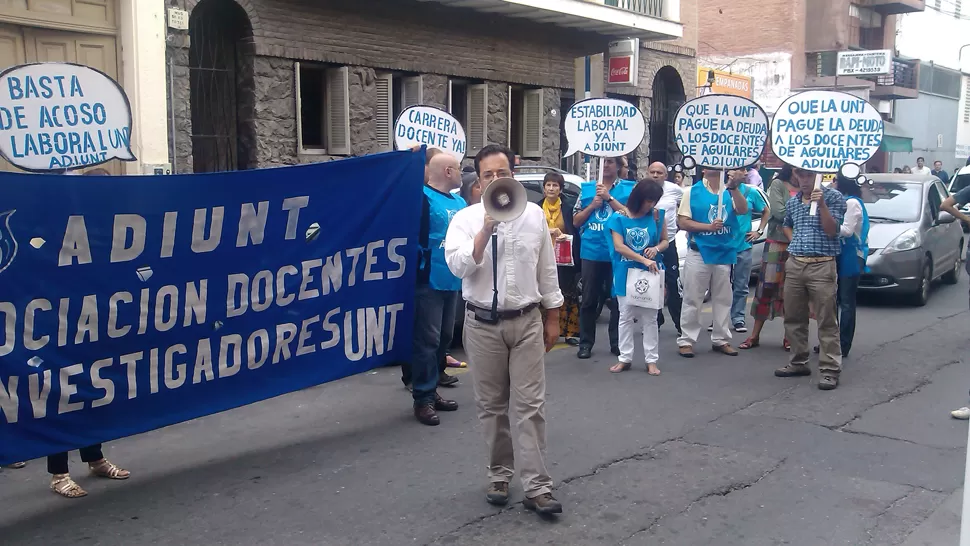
489	176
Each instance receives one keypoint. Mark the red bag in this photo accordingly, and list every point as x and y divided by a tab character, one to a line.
564	251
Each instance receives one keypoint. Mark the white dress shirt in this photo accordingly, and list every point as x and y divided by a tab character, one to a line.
852	221
526	267
669	203
922	170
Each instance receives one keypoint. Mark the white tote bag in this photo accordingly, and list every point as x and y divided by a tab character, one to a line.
644	288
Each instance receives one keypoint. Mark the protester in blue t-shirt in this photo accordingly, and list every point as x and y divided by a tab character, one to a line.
597	202
436	296
638	239
741	275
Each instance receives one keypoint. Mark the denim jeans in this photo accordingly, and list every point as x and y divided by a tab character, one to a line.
434	328
597	284
741	279
848	286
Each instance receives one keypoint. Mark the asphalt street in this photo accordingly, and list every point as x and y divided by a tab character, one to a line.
714	451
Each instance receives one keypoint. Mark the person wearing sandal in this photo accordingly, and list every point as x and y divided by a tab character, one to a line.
769	300
638	241
712	251
811	280
63	485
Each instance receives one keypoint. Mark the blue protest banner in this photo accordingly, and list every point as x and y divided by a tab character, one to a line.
132	303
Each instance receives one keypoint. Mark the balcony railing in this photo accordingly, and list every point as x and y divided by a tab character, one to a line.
903	74
653	8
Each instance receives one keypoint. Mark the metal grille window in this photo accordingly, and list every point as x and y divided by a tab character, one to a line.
939	81
966	100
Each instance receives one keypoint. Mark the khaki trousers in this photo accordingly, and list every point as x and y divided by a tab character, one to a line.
508	363
814	284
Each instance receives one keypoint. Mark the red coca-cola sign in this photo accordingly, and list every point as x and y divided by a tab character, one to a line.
620	70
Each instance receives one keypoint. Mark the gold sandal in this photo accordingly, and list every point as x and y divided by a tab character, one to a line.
63	485
106	469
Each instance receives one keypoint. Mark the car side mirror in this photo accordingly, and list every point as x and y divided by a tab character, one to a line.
945	218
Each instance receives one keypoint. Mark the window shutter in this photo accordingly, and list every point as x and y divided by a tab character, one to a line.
477	130
412	91
338	111
299	107
532	123
385	111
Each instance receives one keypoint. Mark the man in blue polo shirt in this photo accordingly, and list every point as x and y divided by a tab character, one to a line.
436	296
597	202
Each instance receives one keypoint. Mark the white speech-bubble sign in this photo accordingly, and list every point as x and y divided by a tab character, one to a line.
604	128
62	116
432	127
822	130
721	131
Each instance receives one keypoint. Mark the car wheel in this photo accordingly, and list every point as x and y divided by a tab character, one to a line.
922	294
953	276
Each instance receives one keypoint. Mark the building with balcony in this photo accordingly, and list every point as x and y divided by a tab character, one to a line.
258	83
793	45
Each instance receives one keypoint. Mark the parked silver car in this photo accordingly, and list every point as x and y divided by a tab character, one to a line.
911	241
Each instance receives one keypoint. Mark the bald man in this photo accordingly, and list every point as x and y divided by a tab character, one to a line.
673	194
436	296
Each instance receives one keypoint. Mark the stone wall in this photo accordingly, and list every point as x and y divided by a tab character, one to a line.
180	139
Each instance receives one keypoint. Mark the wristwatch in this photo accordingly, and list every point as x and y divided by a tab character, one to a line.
610	200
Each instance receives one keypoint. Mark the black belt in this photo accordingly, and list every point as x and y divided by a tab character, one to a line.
505	315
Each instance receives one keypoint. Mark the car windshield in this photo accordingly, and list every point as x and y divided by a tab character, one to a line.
893	201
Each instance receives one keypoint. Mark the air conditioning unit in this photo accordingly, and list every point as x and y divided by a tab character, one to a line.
885	107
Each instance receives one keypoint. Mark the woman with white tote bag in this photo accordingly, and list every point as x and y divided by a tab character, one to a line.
638	242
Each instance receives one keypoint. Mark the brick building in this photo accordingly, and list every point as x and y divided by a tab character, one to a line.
791	45
257	83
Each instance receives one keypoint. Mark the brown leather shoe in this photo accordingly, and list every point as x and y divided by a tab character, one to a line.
686	351
426	415
725	349
441	404
497	493
544	504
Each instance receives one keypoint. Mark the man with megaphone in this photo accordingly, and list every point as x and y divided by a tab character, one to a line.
502	251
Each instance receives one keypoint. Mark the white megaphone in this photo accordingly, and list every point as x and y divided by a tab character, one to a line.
505	199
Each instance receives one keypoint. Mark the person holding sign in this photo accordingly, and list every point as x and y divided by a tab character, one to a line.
811	277
596	203
505	334
436	296
709	212
638	241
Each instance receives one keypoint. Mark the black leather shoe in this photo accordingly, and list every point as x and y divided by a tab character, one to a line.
441	404
426	415
445	380
544	504
584	353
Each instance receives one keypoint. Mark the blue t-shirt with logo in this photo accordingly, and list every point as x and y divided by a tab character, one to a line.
595	243
638	234
756	204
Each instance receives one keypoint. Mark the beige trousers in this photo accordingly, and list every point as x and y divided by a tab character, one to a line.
815	285
508	363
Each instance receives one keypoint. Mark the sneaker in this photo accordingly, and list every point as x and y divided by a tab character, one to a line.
740	328
793	371
497	493
543	504
828	382
963	413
